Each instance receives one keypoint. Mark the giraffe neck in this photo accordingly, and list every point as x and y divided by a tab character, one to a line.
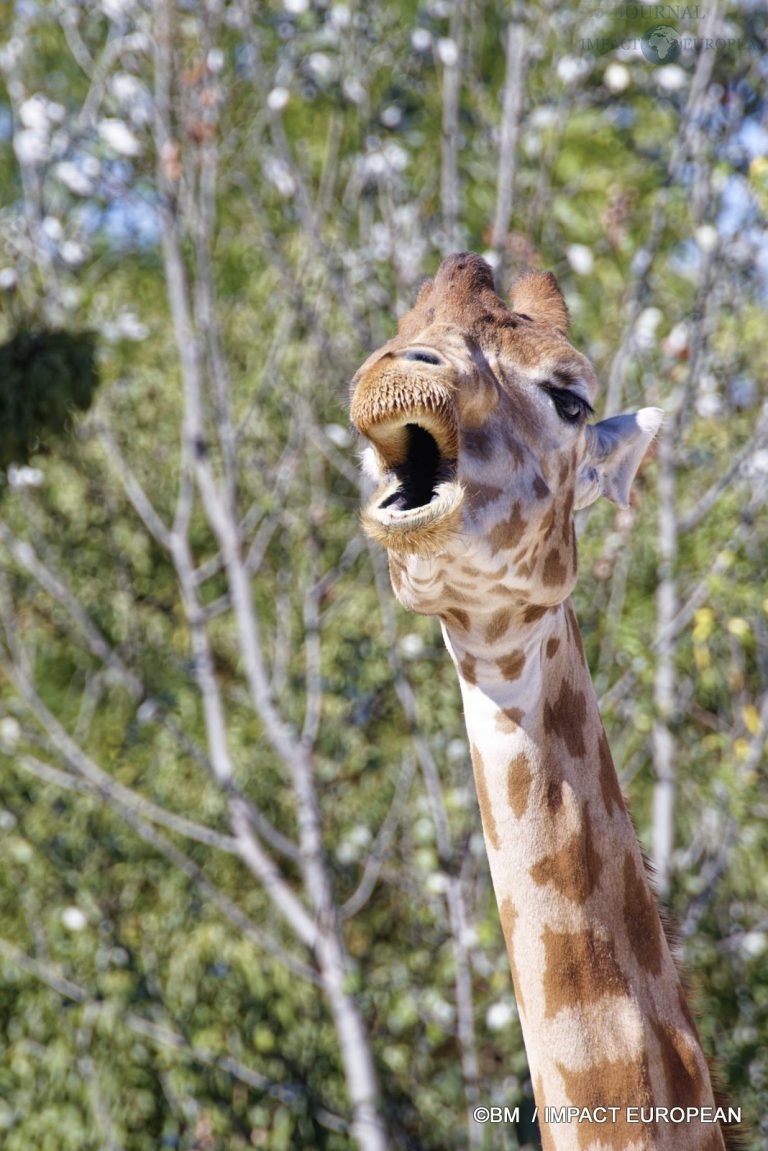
603	1013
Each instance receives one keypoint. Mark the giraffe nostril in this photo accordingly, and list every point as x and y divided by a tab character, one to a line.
422	356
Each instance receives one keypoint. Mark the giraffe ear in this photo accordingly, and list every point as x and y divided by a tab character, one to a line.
615	449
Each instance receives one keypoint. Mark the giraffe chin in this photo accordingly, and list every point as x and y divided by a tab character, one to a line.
425	530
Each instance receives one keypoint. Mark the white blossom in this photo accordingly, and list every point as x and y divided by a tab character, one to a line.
73	253
131	327
74	919
708	402
73	177
215	60
279	174
671	78
321	65
441	1011
571	69
118	136
10	733
126	326
500	1015
11	53
33	113
754	943
277	99
396	156
447	52
354	844
340	16
52	228
437	883
545	117
8	279
117	9
457	750
645	328
411	646
706	237
31	146
677	340
580	258
617	77
421	39
133	96
338	435
22	476
353	89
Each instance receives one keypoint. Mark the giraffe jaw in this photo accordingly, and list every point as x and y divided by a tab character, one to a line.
418	509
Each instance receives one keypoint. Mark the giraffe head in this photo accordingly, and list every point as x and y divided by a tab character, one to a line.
477	418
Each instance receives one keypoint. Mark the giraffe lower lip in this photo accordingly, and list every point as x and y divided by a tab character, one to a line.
423	529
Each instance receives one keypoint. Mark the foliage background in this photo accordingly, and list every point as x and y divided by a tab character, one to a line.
240	857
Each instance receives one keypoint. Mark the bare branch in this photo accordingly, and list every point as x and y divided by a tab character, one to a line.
450	196
511	109
115	793
382	843
26	556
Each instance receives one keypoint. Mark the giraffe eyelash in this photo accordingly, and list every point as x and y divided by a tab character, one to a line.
570	406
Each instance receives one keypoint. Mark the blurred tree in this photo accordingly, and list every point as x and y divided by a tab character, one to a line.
243	893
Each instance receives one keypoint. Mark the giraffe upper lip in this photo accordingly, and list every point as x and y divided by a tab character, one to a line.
388	401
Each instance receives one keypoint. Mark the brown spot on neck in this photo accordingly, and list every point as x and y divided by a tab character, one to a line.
457	617
621	1083
509	719
682	1070
574	633
641	918
509	531
609	783
484	800
580	968
519	779
534	612
498	625
555	572
573	871
511	666
566	716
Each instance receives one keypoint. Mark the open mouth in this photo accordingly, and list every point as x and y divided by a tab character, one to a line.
419	508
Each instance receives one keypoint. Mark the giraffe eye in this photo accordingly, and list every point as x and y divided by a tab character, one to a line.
569	405
422	356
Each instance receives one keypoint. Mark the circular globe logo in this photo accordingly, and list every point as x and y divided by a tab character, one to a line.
661	44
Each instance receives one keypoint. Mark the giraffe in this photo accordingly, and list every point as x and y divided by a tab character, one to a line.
477	420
